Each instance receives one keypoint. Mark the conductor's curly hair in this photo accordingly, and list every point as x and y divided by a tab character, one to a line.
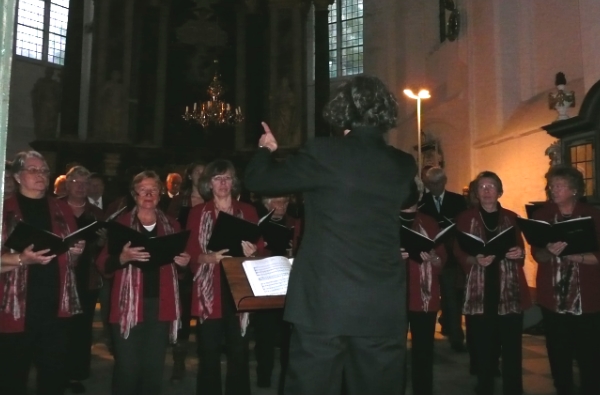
362	101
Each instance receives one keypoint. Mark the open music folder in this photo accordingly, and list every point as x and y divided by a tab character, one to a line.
497	246
229	231
25	235
162	249
414	242
578	233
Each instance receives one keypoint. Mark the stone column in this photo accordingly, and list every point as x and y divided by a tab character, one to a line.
86	68
127	66
71	72
161	74
257	63
321	64
240	75
287	59
101	41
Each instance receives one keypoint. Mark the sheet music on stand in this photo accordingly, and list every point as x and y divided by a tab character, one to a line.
269	276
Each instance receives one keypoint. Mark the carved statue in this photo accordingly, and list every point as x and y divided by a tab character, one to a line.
553	152
284	105
112	103
45	101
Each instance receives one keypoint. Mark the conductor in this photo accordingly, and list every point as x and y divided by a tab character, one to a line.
346	295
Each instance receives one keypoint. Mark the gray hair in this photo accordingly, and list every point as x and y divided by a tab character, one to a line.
435	174
18	164
78	170
267	200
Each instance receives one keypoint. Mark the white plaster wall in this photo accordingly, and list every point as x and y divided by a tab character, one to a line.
489	88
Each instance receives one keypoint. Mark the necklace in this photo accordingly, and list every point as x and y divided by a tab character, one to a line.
486	227
73	205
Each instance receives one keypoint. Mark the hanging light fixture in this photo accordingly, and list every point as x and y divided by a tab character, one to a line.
214	111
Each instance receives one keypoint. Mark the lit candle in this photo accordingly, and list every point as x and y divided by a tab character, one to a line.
228	107
209	104
187	109
195	106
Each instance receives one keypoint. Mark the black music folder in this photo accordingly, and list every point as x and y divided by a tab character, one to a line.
229	231
414	242
162	249
578	233
25	235
532	207
276	236
497	246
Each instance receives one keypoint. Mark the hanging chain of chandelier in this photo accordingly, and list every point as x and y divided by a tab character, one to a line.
214	111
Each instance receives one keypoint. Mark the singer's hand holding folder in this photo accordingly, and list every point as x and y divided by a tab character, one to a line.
162	249
24	235
414	242
578	233
497	246
228	233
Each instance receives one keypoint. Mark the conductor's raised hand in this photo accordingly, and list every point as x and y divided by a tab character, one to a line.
28	256
129	254
182	260
267	139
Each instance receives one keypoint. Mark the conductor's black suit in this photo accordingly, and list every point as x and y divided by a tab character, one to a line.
347	290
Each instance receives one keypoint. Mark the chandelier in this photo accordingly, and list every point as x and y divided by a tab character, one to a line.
214	111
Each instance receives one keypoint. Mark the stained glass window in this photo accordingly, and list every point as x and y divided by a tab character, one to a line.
345	38
42	30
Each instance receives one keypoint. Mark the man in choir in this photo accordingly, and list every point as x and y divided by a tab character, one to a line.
96	191
347	295
444	206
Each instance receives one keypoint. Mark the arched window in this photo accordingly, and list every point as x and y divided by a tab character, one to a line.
42	30
345	38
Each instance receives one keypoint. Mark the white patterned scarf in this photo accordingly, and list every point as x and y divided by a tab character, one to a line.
204	277
15	282
565	284
425	274
509	278
132	281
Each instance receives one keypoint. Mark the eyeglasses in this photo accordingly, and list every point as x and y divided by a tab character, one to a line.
222	179
487	186
558	187
148	192
37	171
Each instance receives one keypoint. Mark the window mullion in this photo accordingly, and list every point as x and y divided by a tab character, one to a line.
338	38
45	42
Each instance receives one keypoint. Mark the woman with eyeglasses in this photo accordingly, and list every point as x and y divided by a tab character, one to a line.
37	289
88	280
145	301
496	292
568	287
212	302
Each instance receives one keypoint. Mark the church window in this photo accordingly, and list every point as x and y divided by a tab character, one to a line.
345	38
582	158
42	30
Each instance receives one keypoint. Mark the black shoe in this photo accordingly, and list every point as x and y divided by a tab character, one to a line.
76	387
